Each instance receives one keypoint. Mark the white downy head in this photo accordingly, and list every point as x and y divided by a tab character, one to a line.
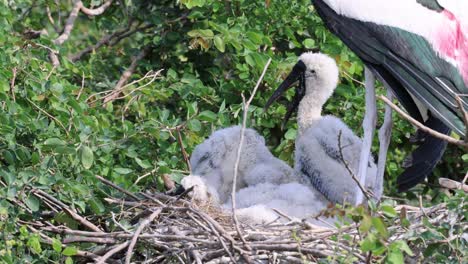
321	77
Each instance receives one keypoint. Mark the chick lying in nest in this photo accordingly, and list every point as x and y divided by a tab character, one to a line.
267	188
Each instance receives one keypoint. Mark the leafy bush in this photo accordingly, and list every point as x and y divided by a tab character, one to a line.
56	133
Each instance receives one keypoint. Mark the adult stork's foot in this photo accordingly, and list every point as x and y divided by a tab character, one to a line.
369	123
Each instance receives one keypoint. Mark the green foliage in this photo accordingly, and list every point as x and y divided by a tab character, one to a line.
56	134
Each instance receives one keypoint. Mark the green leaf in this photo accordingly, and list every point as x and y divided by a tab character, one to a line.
122	170
465	157
54	142
379	226
9	157
395	256
366	224
97	206
388	211
34	244
207	33
208	115
369	243
404	247
56	245
194	125
255	37
309	43
68	260
33	203
70	251
87	157
219	43
290	134
9	178
145	164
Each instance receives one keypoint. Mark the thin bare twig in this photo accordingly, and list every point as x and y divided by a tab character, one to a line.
350	171
49	115
239	150
120	189
424	128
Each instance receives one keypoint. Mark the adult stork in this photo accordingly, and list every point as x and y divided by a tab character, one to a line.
419	50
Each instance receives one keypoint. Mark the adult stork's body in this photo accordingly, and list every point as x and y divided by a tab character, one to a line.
419	50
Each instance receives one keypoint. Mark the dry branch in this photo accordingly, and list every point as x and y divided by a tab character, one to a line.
422	127
126	75
138	231
77	7
453	185
96	11
70	23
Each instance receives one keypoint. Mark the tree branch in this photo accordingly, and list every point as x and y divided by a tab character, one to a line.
96	11
126	75
424	128
77	7
70	23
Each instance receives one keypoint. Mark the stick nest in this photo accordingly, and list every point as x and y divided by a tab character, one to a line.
158	228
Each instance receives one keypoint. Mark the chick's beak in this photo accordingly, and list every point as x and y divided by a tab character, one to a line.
296	74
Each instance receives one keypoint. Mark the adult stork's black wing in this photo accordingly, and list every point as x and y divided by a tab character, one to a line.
406	63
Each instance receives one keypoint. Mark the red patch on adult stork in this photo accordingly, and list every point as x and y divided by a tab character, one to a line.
452	43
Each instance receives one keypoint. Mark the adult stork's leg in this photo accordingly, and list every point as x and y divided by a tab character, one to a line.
369	124
385	133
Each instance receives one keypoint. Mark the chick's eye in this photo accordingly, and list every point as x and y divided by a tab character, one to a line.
312	71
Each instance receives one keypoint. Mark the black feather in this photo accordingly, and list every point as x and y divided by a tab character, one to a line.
423	160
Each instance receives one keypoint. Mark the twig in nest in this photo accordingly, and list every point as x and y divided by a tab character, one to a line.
340	148
140	228
126	75
424	128
111	184
239	150
110	253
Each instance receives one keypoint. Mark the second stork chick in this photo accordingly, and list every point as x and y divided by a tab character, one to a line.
325	146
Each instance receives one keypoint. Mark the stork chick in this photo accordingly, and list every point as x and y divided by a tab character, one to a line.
213	161
326	149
